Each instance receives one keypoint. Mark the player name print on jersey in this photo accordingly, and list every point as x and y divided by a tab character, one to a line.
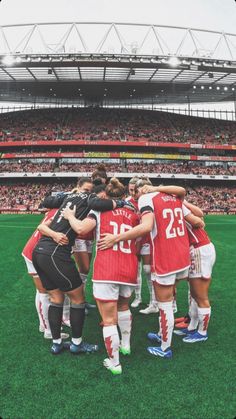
118	264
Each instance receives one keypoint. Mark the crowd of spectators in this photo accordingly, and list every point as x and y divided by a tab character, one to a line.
27	196
143	166
113	124
213	198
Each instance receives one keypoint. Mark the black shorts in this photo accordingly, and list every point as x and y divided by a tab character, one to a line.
56	273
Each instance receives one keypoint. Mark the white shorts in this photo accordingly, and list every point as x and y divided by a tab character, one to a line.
82	246
170	279
202	261
104	291
145	249
30	267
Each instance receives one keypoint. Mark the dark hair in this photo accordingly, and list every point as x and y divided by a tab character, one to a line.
83	180
115	189
98	181
99	188
99	172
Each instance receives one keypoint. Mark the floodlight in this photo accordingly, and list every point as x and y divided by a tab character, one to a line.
8	60
174	61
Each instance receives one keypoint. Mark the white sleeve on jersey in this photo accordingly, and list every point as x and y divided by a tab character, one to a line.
95	214
146	200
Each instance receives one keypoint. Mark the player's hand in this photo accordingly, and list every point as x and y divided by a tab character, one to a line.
147	189
67	212
60	238
106	241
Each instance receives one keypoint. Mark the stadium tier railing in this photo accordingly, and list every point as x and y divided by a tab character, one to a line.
115	155
114	143
123	175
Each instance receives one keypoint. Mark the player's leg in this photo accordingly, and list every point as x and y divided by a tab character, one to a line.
125	318
42	302
66	311
77	308
164	291
138	288
55	312
146	258
199	290
106	296
82	252
200	279
41	297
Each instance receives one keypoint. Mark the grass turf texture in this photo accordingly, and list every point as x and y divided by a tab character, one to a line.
197	383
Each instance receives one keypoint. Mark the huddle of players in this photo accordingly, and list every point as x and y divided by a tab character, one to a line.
154	222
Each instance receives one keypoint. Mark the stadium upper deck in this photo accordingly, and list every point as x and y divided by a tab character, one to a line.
90	126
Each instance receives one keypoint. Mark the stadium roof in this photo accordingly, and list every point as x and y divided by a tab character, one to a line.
97	62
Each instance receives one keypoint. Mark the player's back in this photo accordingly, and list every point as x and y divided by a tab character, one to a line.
197	236
118	264
170	238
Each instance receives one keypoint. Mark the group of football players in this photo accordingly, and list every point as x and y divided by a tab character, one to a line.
154	229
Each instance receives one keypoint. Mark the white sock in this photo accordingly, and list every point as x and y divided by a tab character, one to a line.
166	322
38	309
125	324
138	287
66	309
76	341
44	300
204	315
112	343
57	340
189	299
193	313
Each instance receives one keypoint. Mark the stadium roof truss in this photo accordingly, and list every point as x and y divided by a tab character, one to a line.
116	61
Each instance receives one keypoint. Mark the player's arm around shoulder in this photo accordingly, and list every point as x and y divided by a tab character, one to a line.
45	230
171	190
192	219
194	209
80	227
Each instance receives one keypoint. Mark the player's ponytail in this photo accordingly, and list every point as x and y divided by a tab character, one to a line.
115	189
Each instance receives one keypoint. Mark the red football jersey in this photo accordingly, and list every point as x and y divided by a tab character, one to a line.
31	243
197	236
170	250
118	264
133	202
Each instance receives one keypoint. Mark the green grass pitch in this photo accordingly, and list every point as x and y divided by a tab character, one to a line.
198	382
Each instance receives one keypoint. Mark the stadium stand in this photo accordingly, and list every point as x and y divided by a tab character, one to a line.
125	167
113	124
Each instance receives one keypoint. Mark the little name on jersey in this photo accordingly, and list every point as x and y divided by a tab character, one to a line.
120	211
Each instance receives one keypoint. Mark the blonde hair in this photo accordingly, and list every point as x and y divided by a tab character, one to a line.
133	180
115	189
142	182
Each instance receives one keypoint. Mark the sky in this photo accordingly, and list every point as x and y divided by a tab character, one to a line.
219	15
